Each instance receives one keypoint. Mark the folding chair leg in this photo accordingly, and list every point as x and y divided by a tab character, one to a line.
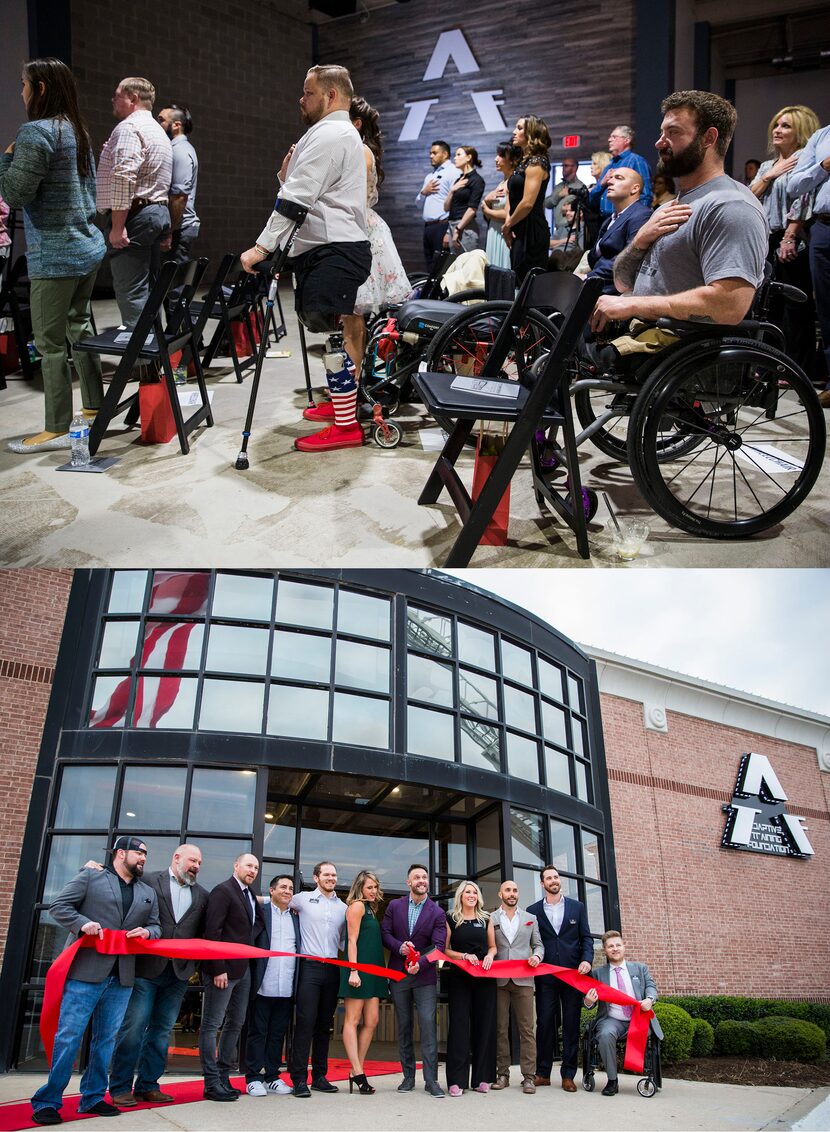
483	509
200	381
173	394
213	345
449	454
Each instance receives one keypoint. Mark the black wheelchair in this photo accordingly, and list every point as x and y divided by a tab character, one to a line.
652	1078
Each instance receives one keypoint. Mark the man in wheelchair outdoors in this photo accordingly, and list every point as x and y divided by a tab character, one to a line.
699	258
612	1020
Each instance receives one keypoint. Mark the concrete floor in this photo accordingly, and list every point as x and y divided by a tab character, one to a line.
354	508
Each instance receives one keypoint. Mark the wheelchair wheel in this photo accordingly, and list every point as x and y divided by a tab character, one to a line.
588	1082
646	1087
461	346
755	433
610	438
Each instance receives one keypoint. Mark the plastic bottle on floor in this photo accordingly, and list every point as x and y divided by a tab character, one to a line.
79	439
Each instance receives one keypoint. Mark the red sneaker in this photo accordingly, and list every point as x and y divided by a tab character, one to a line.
324	411
332	437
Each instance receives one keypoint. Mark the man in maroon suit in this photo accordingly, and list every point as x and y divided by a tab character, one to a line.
415	924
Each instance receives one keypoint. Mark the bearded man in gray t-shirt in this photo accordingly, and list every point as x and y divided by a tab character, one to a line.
700	257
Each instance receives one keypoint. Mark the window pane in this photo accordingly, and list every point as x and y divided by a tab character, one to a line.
451	849
222	801
300	656
231	705
515	664
557	770
301	713
563	846
179	591
553	724
234	648
527	835
31	1055
550	679
109	701
429	632
478	694
164	701
50	938
299	604
489	886
243	597
118	644
488	841
280	823
578	733
160	852
152	798
172	644
522	758
530	886
480	744
593	906
387	854
361	721
218	856
592	854
430	733
575	694
428	680
127	593
570	887
363	616
85	800
362	666
476	646
519	710
66	855
583	789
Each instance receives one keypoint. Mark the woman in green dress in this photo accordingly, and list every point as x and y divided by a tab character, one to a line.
362	993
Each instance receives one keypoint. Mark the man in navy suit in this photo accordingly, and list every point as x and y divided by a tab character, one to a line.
620	228
563	925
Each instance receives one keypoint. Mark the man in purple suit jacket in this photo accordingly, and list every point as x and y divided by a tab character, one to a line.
417	923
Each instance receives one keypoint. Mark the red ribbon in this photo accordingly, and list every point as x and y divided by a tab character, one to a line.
117	943
635	1045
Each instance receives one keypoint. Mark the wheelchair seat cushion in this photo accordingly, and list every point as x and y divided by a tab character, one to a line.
425	316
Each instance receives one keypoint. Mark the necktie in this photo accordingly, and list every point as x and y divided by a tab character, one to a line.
627	1010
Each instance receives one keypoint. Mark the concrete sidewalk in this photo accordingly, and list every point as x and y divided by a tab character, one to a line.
682	1106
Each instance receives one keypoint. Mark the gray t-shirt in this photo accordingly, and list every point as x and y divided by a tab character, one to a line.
185	175
726	237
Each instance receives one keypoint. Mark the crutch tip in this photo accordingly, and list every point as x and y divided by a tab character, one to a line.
242	463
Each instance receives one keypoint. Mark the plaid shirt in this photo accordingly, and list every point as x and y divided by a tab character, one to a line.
136	161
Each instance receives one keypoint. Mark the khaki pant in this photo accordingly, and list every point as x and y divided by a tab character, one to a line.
521	1000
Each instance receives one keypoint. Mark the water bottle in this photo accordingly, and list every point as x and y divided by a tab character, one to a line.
79	439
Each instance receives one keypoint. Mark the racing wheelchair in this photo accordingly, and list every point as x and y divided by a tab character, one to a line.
652	1078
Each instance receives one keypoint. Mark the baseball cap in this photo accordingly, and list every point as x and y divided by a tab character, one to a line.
128	843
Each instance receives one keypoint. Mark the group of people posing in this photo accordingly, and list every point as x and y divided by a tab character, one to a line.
134	1001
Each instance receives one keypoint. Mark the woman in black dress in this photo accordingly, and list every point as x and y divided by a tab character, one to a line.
471	1038
463	200
526	230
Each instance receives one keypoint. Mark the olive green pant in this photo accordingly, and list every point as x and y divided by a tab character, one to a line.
61	310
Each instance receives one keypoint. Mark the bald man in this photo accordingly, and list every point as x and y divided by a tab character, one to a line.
141	1048
624	190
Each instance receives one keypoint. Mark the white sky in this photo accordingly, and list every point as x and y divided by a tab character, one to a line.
760	631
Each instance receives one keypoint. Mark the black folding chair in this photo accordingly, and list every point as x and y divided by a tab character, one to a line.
542	400
14	304
232	300
152	341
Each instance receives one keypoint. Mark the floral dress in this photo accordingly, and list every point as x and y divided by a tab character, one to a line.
387	284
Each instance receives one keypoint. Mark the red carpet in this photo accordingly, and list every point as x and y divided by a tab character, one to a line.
18	1114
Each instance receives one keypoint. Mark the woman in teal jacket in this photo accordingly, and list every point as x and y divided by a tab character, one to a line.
49	172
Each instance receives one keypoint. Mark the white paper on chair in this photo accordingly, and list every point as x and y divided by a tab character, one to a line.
769	459
506	390
123	338
190	398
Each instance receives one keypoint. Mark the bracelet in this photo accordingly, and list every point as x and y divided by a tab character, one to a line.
260	248
788	240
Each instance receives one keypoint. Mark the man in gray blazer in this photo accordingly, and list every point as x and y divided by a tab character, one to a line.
612	1021
160	985
98	986
516	936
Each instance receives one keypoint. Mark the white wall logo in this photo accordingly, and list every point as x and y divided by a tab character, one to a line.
453	45
756	818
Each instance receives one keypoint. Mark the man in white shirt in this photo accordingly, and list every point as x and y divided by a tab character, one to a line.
631	978
323	933
274	983
434	192
325	172
516	935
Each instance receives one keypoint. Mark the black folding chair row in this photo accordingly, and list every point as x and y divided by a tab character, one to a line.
229	298
14	304
154	341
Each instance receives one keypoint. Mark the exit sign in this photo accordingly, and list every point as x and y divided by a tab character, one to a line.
570	141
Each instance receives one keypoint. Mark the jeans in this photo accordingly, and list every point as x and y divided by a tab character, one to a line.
316	1003
105	1003
226	1008
405	995
820	270
131	266
433	240
182	241
141	1049
267	1024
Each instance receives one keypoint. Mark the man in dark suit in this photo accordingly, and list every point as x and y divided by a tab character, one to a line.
613	1021
98	986
274	987
233	916
160	984
416	923
563	925
620	228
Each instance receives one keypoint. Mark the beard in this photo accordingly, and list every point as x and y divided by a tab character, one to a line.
682	164
135	870
184	877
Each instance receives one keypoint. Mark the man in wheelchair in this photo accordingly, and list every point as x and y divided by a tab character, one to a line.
612	1022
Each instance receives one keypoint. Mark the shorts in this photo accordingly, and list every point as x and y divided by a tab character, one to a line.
326	279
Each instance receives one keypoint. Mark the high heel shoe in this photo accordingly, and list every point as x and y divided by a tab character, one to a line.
362	1084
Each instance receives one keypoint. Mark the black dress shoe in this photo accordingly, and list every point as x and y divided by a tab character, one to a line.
103	1108
219	1095
229	1088
302	1091
611	1089
321	1085
407	1085
47	1116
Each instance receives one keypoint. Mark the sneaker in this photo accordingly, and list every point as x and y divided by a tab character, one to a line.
483	1087
278	1087
433	1088
322	412
454	1091
332	437
256	1089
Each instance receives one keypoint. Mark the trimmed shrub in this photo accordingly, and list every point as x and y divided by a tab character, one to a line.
734	1008
703	1039
678	1030
789	1039
734	1039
